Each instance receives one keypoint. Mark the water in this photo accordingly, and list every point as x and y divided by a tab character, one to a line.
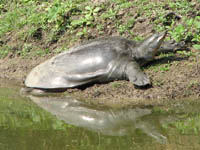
65	123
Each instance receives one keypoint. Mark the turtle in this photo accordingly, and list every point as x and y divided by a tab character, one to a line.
97	61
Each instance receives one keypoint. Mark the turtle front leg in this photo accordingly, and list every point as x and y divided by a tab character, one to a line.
136	75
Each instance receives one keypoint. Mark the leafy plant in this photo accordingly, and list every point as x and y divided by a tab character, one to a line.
42	52
178	33
122	28
165	67
109	14
185	53
196	46
90	13
55	14
5	50
25	50
116	85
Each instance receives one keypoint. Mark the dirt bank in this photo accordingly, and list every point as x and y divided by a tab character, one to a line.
173	77
26	40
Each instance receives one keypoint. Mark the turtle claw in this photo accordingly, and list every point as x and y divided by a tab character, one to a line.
136	75
142	81
146	81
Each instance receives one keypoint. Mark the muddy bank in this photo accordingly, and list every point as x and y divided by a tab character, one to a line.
173	77
27	40
179	81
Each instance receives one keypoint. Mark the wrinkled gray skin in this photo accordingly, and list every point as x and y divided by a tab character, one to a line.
106	121
98	61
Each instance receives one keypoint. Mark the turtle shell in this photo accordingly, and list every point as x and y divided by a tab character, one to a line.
80	65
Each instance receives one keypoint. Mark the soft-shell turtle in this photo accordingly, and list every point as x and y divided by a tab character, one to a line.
97	61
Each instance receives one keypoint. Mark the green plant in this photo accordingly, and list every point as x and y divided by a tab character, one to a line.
125	27
165	67
55	14
185	53
90	13
5	50
42	52
178	33
126	4
25	50
9	22
122	28
196	46
100	28
116	85
83	33
193	83
196	37
1	8
109	14
190	31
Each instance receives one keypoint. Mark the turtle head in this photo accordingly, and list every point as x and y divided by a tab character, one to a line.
147	49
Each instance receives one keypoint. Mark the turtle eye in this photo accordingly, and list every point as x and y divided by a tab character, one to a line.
152	46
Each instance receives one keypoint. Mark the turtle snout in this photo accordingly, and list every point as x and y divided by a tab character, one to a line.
162	35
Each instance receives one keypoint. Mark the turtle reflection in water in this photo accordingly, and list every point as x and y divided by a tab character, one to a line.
117	122
98	61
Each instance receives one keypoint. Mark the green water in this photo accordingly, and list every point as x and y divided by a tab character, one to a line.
25	126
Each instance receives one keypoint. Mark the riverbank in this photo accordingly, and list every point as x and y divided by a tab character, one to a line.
48	28
173	77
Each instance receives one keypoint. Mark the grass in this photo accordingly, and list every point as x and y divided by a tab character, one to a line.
5	50
47	22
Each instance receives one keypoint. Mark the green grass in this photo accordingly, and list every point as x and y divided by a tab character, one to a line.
5	50
83	20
